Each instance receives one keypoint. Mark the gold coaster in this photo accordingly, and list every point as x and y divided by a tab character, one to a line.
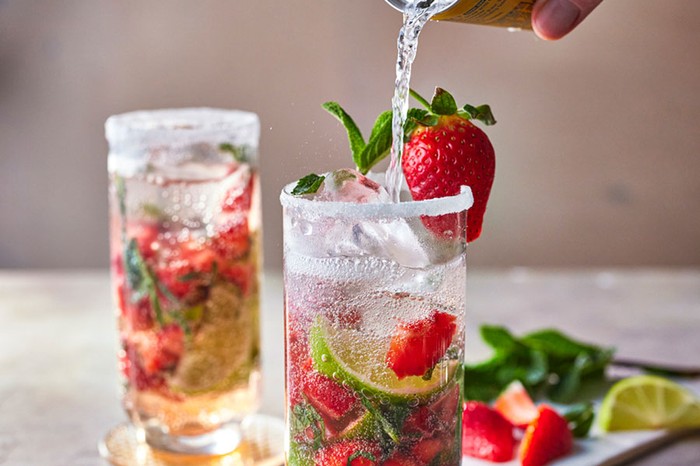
262	444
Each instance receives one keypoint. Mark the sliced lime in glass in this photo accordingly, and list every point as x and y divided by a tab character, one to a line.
221	353
358	360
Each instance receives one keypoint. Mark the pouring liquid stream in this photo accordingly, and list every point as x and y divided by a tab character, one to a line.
415	16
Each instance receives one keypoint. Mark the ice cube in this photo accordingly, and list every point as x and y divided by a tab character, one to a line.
348	185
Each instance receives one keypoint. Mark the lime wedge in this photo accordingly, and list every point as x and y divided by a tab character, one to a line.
221	353
648	402
358	360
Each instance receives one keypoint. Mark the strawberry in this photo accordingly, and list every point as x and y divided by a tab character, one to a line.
486	434
333	402
516	405
546	438
164	350
444	152
438	416
349	453
399	459
418	345
427	449
238	199
231	240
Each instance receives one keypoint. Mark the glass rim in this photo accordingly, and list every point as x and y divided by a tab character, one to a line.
194	122
333	209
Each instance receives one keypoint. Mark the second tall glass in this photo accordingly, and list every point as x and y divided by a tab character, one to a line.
185	241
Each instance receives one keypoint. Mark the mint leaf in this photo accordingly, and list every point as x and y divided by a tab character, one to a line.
482	113
379	144
239	153
580	417
357	142
308	184
305	418
554	342
443	103
498	338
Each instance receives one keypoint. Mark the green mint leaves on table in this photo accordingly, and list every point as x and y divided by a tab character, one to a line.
547	362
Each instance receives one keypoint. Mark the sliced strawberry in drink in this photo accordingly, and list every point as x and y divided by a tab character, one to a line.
133	371
516	405
418	345
438	416
232	239
139	315
336	405
486	434
349	453
400	459
243	275
146	234
299	362
546	438
239	198
427	449
164	350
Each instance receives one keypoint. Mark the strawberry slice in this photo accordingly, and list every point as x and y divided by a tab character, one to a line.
334	403
418	345
238	199
516	405
427	449
486	434
439	416
399	459
232	240
546	438
164	350
349	453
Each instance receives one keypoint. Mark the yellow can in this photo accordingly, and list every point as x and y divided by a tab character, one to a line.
504	13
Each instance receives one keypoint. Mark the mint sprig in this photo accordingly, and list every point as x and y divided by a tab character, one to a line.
547	363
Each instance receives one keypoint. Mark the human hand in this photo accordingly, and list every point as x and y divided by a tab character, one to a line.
553	19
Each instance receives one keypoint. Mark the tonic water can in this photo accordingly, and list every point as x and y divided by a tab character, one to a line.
503	13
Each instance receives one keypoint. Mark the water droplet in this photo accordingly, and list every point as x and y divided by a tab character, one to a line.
324	358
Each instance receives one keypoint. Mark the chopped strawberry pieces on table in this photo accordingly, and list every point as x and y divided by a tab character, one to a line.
546	438
486	434
516	405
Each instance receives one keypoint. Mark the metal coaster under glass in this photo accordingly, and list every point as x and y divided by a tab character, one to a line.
262	444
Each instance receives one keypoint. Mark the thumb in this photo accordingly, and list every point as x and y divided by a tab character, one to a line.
553	19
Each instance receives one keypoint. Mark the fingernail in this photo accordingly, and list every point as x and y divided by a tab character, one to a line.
556	18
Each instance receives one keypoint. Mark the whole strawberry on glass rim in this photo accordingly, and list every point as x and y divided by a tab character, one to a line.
443	151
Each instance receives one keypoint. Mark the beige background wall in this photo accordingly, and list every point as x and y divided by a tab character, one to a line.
597	143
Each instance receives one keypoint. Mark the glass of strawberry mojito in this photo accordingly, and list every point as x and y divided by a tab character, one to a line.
185	258
374	309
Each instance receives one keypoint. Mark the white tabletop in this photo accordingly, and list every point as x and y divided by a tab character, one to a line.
58	376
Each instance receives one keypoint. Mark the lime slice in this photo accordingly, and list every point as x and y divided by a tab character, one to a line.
648	402
222	351
358	360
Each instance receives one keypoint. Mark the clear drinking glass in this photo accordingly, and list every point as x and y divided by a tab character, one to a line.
185	261
374	319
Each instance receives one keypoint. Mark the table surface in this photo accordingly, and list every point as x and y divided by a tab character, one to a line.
58	382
